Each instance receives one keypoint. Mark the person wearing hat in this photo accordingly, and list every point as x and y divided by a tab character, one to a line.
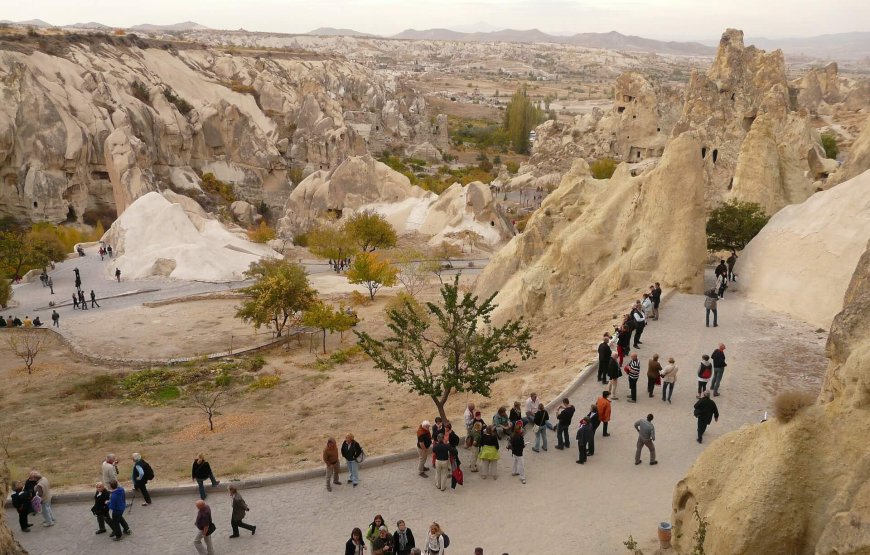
424	445
382	544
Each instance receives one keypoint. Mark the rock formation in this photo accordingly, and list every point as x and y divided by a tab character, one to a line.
802	486
803	259
362	183
100	121
590	238
634	129
753	146
8	544
171	236
818	88
857	160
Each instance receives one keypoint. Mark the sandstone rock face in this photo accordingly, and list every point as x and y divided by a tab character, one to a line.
591	238
245	213
76	135
809	250
172	237
8	544
858	159
364	184
634	129
802	486
746	87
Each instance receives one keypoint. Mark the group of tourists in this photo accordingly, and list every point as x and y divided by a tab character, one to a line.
401	542
16	322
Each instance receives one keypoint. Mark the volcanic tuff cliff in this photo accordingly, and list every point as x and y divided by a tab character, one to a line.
90	123
802	486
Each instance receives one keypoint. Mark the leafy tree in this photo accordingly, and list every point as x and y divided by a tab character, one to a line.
829	143
372	271
370	231
327	241
5	291
344	320
22	251
322	316
454	347
280	292
521	116
733	224
413	269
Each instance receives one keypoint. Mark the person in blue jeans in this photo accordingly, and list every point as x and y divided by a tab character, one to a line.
542	421
117	505
200	472
710	303
351	451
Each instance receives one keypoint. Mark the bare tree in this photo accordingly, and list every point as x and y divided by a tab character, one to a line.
26	344
209	401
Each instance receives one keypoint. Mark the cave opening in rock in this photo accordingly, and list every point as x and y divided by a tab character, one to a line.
715	155
621	109
35	204
71	214
703	152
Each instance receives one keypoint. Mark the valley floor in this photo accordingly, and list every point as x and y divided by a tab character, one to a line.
564	508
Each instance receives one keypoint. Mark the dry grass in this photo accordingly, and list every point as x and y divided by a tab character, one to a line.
789	403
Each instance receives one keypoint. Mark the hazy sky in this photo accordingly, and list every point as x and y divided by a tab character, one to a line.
660	19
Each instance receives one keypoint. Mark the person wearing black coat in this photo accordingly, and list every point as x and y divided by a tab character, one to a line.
584	436
101	507
604	352
200	472
403	539
564	415
614	373
705	411
21	500
351	451
594	421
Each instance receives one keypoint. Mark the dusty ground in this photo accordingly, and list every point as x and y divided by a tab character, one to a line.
307	405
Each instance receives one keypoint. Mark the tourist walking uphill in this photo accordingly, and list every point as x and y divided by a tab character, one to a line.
705	371
705	411
719	365
646	436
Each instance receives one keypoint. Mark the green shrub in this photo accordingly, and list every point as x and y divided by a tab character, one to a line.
512	166
167	393
301	239
139	90
216	187
264	382
223	379
733	224
183	106
255	363
154	385
603	168
5	291
295	175
262	233
103	386
829	143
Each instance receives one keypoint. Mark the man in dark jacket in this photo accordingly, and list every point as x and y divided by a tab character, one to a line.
656	296
719	365
142	473
203	524
118	504
200	471
613	372
711	299
564	415
705	411
351	450
101	507
594	421
584	436
21	501
604	352
239	510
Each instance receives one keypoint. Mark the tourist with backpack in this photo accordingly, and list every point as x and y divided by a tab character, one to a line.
437	541
705	371
711	300
142	474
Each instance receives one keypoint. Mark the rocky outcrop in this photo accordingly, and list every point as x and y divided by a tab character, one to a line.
171	236
633	130
809	249
818	89
102	121
753	146
857	160
245	213
364	184
8	544
590	238
801	486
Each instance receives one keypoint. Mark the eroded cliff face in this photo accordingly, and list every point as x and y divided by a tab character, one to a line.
102	121
592	237
754	147
802	486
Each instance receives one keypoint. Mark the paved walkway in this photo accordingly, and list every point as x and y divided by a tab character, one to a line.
564	507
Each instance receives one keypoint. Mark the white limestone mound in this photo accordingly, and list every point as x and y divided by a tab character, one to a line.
156	236
803	259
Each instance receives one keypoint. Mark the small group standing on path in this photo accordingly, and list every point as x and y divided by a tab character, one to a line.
400	542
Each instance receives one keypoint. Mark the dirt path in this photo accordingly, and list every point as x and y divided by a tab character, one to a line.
582	509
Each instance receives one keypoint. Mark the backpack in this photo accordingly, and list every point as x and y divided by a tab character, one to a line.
446	540
148	472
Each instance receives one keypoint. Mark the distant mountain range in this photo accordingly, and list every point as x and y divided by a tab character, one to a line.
144	28
836	46
333	32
